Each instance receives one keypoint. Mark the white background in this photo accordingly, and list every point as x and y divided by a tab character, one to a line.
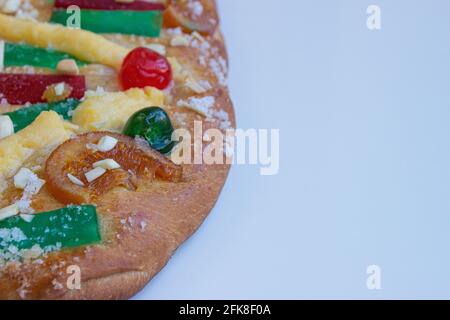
364	175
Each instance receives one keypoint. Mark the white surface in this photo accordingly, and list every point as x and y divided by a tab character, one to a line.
364	119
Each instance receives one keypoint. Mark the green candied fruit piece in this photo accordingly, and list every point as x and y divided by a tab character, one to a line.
140	23
25	116
72	226
19	54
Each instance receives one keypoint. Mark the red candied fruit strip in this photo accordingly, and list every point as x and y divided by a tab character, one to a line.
23	88
110	5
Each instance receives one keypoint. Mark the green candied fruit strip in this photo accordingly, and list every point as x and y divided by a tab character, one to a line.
142	23
72	226
17	54
26	115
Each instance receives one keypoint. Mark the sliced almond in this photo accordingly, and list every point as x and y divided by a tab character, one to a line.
179	74
198	36
94	174
179	41
59	88
106	143
6	126
194	85
75	180
9	211
10	6
22	177
27	217
57	92
108	164
67	66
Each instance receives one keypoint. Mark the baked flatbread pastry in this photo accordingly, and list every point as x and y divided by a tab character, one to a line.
96	189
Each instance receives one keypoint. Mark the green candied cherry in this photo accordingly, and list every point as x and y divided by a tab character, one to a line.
154	125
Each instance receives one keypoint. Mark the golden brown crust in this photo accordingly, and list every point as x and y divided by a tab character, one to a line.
141	229
114	287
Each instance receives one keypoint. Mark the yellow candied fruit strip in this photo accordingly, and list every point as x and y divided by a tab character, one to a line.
46	130
111	111
82	44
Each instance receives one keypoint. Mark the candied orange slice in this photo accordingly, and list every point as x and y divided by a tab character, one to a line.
77	156
179	14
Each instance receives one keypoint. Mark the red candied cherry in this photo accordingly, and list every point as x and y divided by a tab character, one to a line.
144	67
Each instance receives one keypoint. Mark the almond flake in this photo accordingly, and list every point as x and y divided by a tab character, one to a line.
6	126
11	6
9	211
194	85
75	180
94	174
106	143
67	66
22	177
179	41
108	164
59	88
27	217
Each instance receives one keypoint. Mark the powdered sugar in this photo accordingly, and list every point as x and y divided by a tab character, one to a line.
204	106
219	67
200	105
196	7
